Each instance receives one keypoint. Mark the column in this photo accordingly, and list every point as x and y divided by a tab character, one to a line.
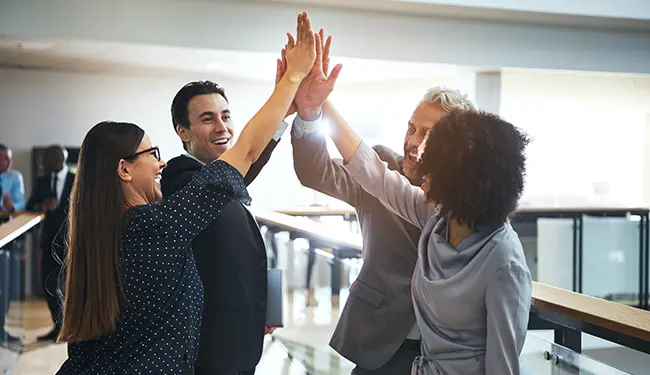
646	163
481	86
488	91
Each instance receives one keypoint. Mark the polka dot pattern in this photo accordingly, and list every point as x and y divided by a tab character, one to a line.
159	326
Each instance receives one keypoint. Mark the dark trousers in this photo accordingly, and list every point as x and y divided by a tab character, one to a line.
207	371
399	364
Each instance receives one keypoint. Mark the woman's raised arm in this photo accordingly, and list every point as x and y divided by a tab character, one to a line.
260	129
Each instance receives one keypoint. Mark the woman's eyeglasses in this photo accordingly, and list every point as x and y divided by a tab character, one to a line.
154	151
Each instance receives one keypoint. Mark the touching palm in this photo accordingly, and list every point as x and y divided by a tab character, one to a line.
317	86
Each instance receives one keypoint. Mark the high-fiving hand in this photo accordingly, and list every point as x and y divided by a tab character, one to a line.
300	53
316	87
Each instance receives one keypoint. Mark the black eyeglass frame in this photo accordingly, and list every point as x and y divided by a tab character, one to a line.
154	149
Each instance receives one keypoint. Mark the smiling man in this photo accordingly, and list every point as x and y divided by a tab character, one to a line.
230	253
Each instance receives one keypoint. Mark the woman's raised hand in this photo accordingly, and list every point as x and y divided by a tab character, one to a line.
301	52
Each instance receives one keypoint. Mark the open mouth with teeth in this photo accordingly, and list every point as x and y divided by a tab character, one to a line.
158	177
412	156
220	141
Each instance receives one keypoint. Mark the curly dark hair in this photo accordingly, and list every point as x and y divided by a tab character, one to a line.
476	164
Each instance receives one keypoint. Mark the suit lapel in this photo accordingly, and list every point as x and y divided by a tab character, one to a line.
67	188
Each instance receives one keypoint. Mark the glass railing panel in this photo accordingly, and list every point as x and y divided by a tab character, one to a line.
11	292
542	357
610	261
555	252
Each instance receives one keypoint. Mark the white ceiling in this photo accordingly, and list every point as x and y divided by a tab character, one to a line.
600	14
123	58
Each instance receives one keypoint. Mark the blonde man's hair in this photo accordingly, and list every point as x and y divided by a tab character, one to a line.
448	99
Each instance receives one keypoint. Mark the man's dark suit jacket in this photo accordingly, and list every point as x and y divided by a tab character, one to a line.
54	227
231	259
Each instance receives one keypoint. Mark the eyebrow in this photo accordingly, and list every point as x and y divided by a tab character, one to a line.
210	113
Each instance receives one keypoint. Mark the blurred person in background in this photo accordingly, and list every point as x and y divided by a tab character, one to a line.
51	195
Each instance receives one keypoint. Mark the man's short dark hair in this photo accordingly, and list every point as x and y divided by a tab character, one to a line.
185	94
3	147
476	165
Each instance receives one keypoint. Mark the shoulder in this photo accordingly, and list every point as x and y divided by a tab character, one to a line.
144	220
15	174
178	173
507	254
182	163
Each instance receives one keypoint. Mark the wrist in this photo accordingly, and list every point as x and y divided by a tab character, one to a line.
294	77
309	114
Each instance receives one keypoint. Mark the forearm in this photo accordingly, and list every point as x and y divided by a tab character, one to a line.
345	138
390	187
260	129
316	170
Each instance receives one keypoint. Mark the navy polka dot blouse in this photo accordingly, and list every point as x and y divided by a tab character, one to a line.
158	330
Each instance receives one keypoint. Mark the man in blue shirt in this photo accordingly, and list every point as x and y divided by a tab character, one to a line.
12	194
11	184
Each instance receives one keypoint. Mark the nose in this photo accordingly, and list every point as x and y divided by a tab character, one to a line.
220	126
162	164
414	141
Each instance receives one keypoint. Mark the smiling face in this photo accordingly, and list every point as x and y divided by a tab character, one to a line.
422	119
211	129
140	175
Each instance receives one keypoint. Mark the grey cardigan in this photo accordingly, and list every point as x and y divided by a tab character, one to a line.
472	301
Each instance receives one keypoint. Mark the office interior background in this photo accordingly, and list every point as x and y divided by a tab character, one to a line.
574	74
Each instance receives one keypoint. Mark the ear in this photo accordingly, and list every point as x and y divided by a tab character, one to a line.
124	171
183	133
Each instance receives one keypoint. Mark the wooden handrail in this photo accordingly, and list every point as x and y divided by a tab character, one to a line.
324	211
17	225
612	316
307	228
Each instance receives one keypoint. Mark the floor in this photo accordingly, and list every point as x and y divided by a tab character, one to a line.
301	347
310	353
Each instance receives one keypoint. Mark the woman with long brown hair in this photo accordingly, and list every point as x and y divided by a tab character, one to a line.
133	297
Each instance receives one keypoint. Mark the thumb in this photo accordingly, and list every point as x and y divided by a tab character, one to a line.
278	71
334	75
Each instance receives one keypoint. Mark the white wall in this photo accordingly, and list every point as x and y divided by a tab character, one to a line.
589	136
589	130
39	108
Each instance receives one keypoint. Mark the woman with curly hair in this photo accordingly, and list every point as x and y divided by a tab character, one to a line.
471	286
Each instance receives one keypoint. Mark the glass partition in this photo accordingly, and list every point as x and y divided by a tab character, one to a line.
542	357
610	260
